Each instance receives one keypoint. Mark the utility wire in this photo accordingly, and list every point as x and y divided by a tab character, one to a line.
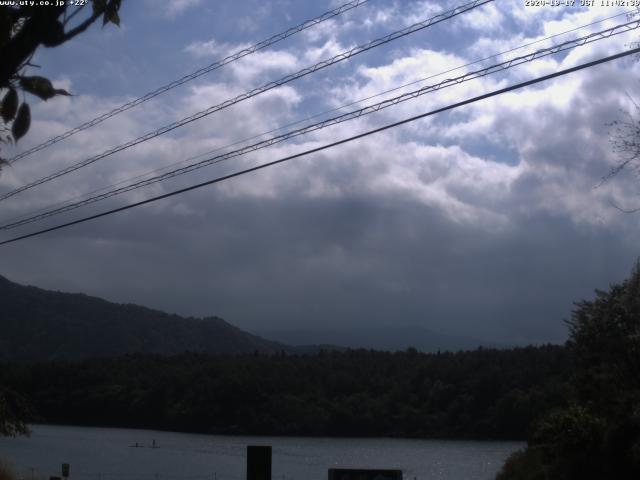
596	36
269	86
330	145
198	73
86	195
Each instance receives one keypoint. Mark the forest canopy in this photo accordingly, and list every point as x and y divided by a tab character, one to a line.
476	394
597	435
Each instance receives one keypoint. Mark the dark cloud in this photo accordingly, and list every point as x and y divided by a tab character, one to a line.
482	222
358	260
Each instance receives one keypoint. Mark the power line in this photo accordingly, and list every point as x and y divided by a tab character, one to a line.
596	36
75	200
330	145
269	86
198	73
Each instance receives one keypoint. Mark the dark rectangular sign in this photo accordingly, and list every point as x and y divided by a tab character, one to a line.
359	474
258	462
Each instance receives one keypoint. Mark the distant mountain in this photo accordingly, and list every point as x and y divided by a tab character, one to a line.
37	324
391	338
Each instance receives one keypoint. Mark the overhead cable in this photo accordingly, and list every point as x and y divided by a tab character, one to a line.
192	76
329	145
269	86
302	120
570	44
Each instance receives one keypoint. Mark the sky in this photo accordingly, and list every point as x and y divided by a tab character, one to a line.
487	221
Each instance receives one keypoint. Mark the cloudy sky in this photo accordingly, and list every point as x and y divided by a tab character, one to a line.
487	221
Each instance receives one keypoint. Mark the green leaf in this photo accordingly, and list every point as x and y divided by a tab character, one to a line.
22	122
111	13
9	105
52	33
113	17
99	6
38	86
41	87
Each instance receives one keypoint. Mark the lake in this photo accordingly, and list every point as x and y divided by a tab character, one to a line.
110	454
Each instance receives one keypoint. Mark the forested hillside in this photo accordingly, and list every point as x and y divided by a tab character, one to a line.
38	324
475	394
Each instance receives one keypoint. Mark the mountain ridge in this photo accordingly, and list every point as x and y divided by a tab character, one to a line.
388	338
44	325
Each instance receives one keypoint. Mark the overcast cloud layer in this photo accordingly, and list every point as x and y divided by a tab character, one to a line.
487	221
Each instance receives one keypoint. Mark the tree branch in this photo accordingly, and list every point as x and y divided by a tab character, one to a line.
75	12
78	29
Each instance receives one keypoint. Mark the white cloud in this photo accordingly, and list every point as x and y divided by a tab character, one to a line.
488	17
251	67
449	189
328	49
177	7
322	31
213	48
256	67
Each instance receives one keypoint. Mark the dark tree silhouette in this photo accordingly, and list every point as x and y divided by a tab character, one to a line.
598	435
13	413
23	29
624	136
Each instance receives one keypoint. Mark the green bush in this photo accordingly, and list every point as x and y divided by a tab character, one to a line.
528	464
598	435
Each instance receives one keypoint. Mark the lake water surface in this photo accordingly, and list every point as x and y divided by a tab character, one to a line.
110	454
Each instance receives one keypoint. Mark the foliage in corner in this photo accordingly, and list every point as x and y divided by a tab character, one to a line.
624	137
598	435
23	28
13	413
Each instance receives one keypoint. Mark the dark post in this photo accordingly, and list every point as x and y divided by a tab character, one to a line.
364	474
258	462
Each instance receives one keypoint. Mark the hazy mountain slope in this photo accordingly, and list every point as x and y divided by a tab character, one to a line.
37	324
379	338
